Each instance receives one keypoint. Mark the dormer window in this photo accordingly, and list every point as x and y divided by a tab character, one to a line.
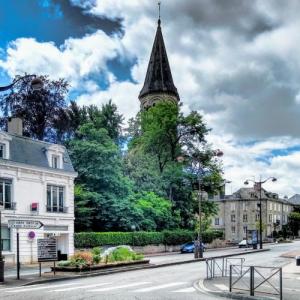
2	151
55	162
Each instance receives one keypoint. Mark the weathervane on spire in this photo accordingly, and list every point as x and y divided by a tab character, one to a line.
159	6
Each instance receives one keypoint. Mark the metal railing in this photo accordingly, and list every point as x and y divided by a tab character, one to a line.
219	267
256	280
57	209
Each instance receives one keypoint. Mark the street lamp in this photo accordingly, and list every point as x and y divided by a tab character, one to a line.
36	84
198	245
259	184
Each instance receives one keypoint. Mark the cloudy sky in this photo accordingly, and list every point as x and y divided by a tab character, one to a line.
235	61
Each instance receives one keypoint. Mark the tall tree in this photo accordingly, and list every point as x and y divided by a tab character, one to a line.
97	160
38	109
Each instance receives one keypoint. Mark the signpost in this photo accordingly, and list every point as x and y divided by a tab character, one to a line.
22	224
25	224
47	251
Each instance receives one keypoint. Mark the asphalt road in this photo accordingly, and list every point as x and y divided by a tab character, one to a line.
176	282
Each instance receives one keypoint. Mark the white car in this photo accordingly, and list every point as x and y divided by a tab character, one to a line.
245	243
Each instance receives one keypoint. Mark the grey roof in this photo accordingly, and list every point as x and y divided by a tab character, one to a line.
253	194
33	152
159	76
295	199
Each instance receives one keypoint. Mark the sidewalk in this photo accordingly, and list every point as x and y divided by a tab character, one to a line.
219	286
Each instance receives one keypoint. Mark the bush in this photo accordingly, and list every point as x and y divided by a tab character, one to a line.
178	237
124	254
96	239
141	238
81	259
210	235
64	263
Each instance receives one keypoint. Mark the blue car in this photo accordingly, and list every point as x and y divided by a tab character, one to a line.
190	247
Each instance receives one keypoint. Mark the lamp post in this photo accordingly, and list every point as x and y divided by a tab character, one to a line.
259	184
36	84
200	172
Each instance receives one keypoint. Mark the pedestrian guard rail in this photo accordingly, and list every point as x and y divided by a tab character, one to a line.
219	267
256	280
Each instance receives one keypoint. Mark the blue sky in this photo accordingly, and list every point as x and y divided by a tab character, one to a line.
237	62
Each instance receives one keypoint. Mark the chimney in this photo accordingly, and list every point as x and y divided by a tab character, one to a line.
15	126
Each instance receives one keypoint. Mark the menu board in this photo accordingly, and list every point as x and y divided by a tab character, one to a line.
47	250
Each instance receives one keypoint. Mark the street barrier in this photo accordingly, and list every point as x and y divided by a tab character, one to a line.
219	267
256	280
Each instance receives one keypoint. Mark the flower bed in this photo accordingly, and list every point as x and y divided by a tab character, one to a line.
97	259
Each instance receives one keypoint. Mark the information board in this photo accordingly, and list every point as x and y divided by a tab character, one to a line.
47	250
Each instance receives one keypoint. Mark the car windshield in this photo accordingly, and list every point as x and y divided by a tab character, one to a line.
189	244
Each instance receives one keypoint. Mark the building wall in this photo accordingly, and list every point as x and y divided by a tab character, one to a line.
237	227
29	185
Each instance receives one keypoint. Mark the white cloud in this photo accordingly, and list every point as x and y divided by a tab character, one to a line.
236	62
75	60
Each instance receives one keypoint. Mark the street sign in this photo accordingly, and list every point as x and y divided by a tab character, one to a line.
47	250
25	224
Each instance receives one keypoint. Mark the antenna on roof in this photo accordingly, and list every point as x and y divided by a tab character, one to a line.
159	8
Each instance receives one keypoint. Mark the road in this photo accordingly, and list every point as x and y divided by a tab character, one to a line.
176	282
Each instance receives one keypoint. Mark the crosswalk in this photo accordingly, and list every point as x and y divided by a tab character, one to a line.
102	287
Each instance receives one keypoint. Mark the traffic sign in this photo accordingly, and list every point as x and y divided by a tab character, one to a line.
25	224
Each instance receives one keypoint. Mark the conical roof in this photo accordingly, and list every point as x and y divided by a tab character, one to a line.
159	76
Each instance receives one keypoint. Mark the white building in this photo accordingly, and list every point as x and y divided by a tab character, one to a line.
36	183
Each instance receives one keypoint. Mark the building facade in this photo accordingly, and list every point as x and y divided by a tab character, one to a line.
158	85
238	214
36	183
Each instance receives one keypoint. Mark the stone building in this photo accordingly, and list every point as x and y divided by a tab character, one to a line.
36	184
238	214
158	85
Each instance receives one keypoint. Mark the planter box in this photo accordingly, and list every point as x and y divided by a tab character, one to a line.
100	267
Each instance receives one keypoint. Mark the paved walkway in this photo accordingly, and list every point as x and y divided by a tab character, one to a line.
263	289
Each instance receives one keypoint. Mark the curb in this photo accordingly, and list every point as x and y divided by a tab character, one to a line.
199	286
142	267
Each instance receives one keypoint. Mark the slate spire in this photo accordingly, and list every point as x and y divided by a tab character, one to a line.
159	80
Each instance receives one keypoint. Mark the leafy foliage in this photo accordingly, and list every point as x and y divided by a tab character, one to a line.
141	238
39	110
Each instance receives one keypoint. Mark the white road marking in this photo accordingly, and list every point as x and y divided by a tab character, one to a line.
20	287
31	289
158	287
79	287
222	287
120	287
187	290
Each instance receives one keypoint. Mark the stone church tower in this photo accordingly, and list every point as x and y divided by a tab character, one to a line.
159	85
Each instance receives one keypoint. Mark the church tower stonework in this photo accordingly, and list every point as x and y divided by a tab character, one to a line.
159	85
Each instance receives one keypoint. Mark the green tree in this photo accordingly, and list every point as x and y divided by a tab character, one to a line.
154	212
97	160
38	109
158	138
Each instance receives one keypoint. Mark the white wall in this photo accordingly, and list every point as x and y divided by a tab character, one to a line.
29	185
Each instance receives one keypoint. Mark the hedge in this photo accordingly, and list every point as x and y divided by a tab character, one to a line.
141	238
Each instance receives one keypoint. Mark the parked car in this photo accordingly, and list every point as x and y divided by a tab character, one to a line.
245	243
190	247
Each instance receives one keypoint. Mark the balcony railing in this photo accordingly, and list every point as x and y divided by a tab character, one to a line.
57	209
